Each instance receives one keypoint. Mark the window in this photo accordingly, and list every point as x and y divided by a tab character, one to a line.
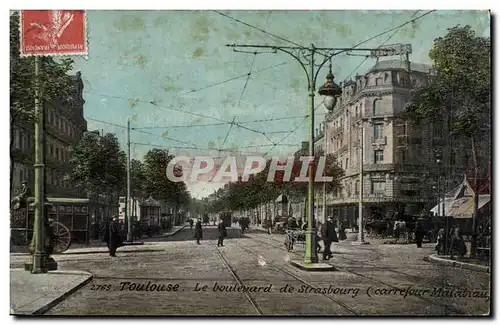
376	107
378	187
346	163
57	153
48	177
403	156
51	149
378	131
356	187
379	81
49	116
379	156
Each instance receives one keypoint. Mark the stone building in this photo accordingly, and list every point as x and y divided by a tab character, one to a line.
399	165
64	126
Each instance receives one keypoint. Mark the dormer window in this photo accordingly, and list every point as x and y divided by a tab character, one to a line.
379	81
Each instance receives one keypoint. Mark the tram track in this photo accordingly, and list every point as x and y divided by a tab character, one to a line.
240	283
445	307
297	278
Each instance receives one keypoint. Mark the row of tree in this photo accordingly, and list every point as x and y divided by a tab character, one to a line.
258	190
460	91
99	167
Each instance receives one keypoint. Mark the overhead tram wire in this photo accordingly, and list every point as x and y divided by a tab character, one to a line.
239	125
225	123
293	131
257	28
383	43
243	92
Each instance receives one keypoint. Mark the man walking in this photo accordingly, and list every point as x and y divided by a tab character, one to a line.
222	233
111	233
329	236
198	232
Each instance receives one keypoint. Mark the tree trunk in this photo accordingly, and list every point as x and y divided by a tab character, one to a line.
476	197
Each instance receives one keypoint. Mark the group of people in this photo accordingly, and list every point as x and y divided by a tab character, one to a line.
221	228
454	240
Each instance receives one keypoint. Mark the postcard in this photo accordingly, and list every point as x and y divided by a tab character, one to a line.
250	163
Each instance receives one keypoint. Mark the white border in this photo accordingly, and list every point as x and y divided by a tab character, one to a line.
85	52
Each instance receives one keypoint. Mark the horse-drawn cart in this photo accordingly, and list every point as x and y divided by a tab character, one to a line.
68	218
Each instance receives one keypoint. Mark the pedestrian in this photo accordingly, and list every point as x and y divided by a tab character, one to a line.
191	223
329	236
112	235
457	243
222	233
342	234
419	233
198	234
440	242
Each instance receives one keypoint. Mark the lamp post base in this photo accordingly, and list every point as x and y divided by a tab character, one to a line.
49	265
313	267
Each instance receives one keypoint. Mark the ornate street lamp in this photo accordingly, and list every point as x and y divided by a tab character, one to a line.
331	91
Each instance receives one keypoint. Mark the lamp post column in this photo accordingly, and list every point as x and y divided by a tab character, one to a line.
39	255
310	253
361	238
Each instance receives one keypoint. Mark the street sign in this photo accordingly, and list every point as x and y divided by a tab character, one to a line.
392	50
53	32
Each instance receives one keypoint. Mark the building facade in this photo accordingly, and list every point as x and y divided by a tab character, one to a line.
368	128
405	167
64	126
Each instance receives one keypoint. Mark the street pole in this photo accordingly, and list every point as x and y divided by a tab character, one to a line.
310	255
325	212
306	54
361	238
128	216
39	256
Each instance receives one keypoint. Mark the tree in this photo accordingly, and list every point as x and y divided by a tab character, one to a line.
257	190
156	182
461	86
53	80
137	181
98	164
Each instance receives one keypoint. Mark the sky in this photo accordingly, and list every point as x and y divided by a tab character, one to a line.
178	61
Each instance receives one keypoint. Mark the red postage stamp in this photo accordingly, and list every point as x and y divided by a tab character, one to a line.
53	32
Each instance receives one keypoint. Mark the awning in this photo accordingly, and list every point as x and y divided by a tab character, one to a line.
461	208
438	209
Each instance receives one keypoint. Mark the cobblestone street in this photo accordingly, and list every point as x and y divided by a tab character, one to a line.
189	274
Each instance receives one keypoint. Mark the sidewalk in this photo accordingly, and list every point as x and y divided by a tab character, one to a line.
35	294
462	264
100	247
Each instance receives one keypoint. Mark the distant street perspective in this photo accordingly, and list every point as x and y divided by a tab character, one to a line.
236	163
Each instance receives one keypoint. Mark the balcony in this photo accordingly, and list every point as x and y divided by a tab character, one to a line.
378	167
379	141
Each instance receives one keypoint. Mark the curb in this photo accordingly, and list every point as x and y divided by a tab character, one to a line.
42	310
462	265
97	252
317	267
171	234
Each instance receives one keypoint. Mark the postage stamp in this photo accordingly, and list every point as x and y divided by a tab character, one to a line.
250	163
53	32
